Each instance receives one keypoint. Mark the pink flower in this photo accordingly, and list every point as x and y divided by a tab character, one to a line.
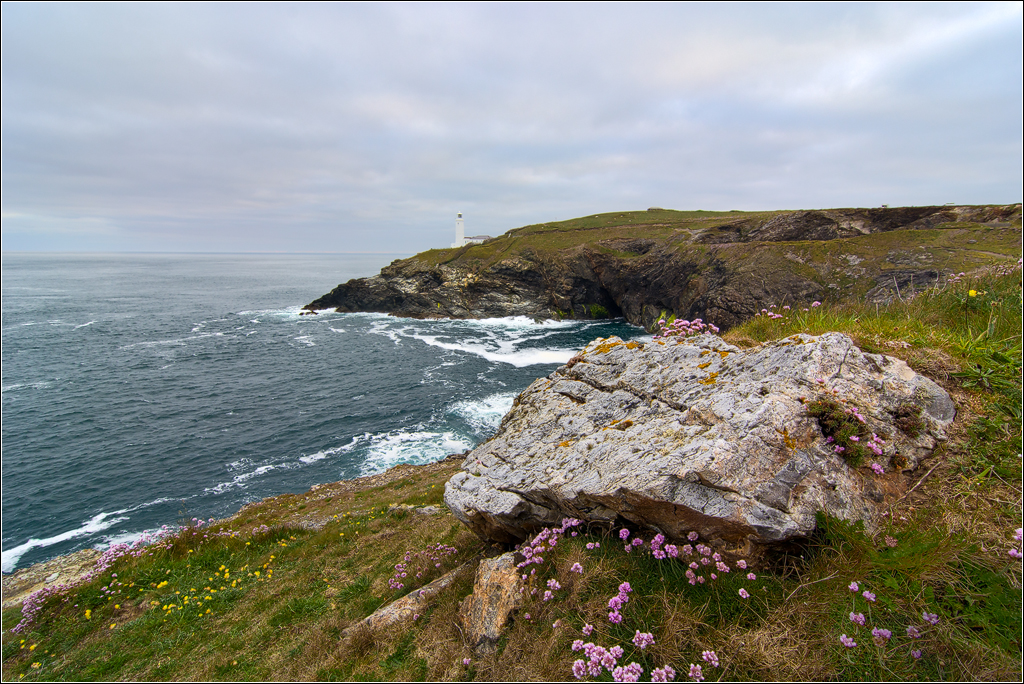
857	618
696	674
663	674
751	576
588	629
913	632
741	564
623	534
877	468
930	618
577	645
466	661
615	617
744	594
854	587
579	669
577	568
643	639
710	657
847	641
868	595
1019	534
625	588
916	653
692	536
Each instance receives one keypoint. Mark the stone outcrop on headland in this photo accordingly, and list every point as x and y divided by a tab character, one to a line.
683	435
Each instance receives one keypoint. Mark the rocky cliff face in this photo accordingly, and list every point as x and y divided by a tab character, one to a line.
721	268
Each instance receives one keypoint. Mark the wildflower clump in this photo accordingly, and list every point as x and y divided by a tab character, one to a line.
682	328
845	429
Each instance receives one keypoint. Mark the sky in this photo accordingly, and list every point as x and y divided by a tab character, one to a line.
366	127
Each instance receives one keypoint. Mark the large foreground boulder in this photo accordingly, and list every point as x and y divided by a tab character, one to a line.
698	435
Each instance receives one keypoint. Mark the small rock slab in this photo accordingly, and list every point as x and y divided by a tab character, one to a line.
497	593
683	435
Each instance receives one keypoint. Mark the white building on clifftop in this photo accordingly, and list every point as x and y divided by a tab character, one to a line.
460	234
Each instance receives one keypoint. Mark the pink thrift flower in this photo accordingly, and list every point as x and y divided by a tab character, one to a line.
847	641
1014	553
710	657
868	595
625	588
913	632
577	645
623	534
741	564
744	594
643	639
577	568
751	576
916	653
857	618
588	629
1019	534
854	587
466	661
877	468
579	669
615	617
663	674
696	674
930	618
692	536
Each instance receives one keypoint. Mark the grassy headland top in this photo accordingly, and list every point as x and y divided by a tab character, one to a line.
721	266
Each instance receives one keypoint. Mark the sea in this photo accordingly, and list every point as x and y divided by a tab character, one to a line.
142	390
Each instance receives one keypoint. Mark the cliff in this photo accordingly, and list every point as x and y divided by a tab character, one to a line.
719	266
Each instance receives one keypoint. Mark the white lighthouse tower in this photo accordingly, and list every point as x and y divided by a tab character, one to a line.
460	231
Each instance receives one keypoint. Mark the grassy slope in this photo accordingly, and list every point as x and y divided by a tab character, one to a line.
947	555
841	263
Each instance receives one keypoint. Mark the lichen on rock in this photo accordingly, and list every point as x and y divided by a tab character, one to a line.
694	434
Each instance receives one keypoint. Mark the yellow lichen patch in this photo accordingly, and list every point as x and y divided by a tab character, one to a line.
565	443
786	439
702	366
710	380
723	354
705	352
606	347
632	345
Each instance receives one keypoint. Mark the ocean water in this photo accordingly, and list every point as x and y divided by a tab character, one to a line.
140	390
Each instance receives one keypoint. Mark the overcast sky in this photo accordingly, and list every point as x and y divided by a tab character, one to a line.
365	128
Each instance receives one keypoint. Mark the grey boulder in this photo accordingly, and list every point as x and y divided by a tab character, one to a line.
681	435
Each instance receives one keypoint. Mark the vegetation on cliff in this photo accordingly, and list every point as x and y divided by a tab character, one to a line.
934	593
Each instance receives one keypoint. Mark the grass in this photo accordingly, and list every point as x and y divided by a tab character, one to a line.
268	593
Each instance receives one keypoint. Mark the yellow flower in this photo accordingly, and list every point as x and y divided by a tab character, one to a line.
113	625
973	293
32	647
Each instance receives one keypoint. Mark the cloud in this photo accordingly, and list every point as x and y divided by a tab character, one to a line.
359	127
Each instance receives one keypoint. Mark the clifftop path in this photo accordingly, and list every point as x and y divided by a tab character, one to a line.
719	266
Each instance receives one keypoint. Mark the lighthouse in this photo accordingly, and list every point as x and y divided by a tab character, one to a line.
460	231
460	234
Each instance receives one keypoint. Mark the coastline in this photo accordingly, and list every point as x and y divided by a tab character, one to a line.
301	511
